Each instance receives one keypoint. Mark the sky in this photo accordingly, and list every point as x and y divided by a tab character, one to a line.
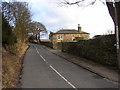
94	19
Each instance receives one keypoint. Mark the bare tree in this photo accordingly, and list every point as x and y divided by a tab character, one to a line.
18	15
36	28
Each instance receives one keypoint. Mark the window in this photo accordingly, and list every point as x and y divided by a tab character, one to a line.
73	38
60	37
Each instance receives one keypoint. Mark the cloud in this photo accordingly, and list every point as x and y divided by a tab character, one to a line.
93	19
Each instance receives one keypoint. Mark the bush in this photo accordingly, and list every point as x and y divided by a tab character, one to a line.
79	38
32	38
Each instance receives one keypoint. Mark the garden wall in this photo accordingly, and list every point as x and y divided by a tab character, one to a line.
48	44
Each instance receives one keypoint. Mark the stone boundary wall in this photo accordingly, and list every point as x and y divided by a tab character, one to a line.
48	44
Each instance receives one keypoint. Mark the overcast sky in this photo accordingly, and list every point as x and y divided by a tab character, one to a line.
93	19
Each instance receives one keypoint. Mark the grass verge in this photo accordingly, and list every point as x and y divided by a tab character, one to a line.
12	63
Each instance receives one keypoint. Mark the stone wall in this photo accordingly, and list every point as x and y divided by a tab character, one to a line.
48	44
57	45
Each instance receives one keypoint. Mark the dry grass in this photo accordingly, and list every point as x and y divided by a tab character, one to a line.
11	64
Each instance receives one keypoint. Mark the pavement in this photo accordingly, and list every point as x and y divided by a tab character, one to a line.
43	69
99	69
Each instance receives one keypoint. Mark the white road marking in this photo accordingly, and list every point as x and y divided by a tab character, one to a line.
42	58
40	55
63	77
37	52
57	71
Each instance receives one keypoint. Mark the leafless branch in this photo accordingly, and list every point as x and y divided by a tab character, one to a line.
65	2
79	3
91	3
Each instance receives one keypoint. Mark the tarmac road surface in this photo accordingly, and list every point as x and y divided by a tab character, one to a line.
43	69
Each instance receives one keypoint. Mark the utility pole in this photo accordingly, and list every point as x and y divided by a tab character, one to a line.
117	41
117	36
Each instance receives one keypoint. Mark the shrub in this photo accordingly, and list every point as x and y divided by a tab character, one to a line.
32	38
79	38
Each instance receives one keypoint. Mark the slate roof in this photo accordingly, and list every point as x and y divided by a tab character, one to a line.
69	31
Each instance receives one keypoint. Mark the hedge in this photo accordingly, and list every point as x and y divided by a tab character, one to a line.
101	50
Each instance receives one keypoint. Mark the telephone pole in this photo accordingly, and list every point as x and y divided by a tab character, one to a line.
117	36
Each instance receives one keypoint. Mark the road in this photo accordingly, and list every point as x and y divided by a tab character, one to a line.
43	69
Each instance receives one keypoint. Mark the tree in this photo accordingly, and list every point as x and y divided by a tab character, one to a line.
7	35
112	12
18	15
36	28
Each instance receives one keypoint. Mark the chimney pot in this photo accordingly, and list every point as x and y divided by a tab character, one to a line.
79	28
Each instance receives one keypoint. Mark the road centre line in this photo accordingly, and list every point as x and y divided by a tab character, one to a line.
56	71
40	55
63	77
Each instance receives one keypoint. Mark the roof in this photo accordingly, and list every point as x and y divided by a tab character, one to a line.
69	31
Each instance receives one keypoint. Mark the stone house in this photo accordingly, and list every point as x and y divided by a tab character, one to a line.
67	35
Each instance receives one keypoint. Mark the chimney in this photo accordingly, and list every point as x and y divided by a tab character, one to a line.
79	28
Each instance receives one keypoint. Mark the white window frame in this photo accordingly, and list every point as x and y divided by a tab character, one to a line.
73	38
60	37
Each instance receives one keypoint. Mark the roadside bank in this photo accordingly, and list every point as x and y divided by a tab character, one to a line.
12	57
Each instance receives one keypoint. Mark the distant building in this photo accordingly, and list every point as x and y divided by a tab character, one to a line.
67	35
